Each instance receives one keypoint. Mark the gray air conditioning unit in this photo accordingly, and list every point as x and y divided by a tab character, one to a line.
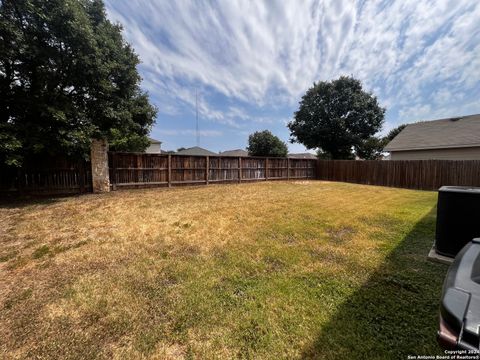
458	218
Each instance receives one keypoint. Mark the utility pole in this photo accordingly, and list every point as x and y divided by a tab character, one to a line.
196	117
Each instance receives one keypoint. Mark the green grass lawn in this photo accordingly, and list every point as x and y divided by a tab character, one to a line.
265	270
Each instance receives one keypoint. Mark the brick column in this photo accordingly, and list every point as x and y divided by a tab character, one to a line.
99	159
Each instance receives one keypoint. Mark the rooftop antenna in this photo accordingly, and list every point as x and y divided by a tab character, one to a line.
196	117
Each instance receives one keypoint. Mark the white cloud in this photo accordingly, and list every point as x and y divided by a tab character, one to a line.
266	53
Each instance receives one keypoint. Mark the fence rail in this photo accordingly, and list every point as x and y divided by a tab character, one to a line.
411	174
142	170
47	177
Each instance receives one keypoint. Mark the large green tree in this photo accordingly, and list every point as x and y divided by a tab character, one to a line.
337	117
264	143
67	76
371	148
394	132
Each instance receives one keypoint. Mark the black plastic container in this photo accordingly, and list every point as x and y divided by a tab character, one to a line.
458	218
459	326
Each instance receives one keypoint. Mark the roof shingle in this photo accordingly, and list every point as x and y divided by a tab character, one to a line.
154	141
302	156
196	150
437	134
236	152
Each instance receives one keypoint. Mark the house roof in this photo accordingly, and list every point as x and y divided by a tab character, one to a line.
236	152
196	150
154	141
302	156
438	134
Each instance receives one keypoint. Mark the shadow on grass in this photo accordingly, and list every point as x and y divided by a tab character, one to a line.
21	202
395	313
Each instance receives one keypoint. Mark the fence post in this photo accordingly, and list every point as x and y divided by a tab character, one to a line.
81	176
207	168
139	166
20	179
288	168
113	171
169	170
266	169
239	169
99	160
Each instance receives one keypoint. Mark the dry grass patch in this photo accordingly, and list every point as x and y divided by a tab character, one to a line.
252	270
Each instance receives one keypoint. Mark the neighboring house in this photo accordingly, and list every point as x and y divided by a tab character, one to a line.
237	153
445	139
302	156
196	150
168	152
155	147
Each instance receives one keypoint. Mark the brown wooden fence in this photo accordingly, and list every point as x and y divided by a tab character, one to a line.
142	170
47	176
411	174
62	176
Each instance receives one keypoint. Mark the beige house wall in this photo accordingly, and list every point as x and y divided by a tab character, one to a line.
467	153
154	148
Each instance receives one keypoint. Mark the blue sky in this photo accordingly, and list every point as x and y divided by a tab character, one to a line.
251	61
